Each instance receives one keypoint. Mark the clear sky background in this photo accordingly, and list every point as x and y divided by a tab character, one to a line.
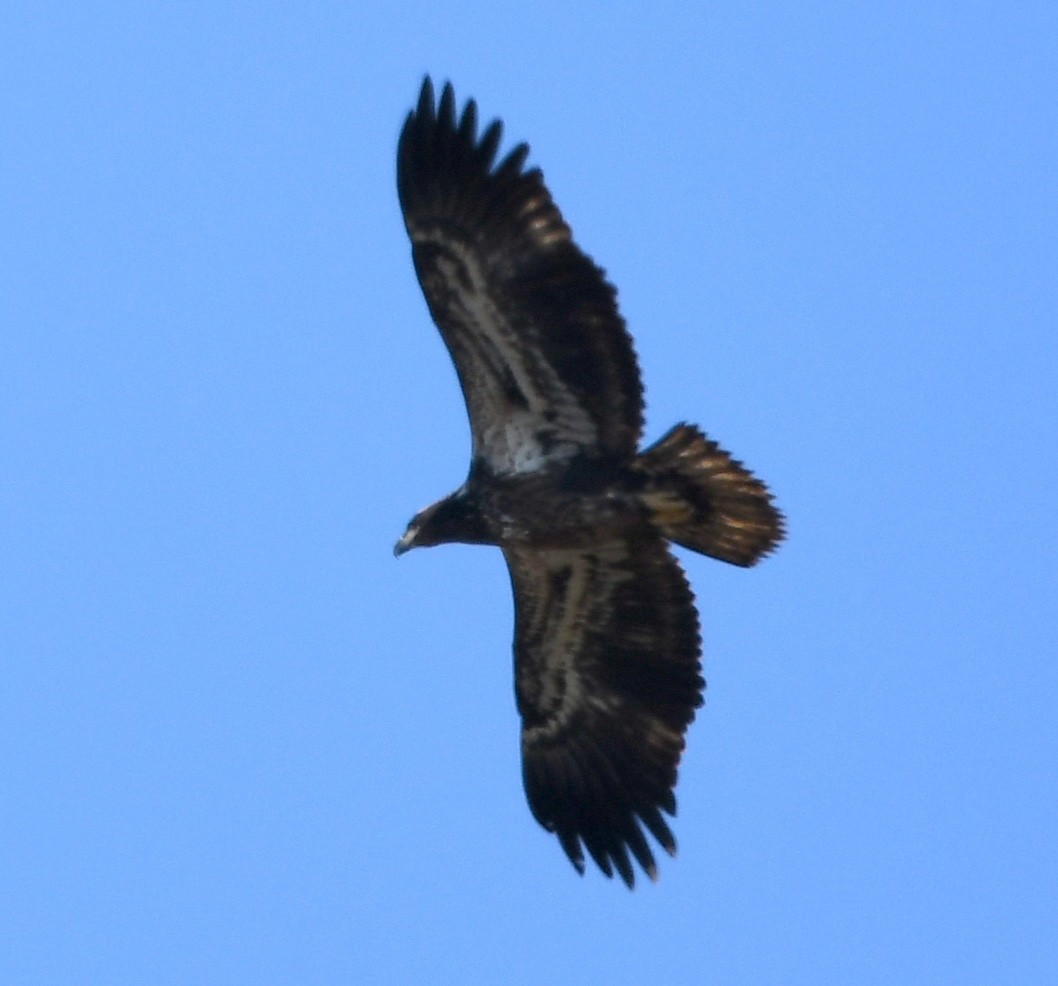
240	743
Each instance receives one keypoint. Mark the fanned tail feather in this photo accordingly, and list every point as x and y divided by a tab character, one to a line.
701	498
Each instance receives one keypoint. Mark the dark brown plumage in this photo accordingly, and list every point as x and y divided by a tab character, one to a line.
607	673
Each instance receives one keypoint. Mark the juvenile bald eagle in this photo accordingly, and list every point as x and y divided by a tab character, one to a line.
606	642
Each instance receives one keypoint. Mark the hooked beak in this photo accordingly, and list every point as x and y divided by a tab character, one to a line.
404	544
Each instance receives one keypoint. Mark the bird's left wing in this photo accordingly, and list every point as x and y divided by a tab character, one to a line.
546	365
607	679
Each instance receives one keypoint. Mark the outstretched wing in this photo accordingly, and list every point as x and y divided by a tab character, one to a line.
607	679
546	365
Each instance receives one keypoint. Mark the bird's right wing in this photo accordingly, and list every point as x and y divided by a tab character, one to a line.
607	679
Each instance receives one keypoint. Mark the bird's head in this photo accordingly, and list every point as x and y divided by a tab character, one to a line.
419	532
455	518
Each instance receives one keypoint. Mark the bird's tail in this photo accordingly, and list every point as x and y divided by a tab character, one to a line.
701	498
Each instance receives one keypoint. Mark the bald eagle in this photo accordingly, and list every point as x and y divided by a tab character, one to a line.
606	641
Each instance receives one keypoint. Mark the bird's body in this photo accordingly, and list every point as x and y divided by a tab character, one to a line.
607	673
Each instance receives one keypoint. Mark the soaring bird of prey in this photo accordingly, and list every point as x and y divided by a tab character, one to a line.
606	641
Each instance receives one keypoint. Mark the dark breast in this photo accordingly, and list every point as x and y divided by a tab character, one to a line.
569	506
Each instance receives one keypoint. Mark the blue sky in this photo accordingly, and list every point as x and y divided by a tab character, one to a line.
239	742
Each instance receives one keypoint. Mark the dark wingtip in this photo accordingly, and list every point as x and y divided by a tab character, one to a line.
621	862
490	143
425	107
513	163
446	110
436	127
571	847
468	123
657	827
